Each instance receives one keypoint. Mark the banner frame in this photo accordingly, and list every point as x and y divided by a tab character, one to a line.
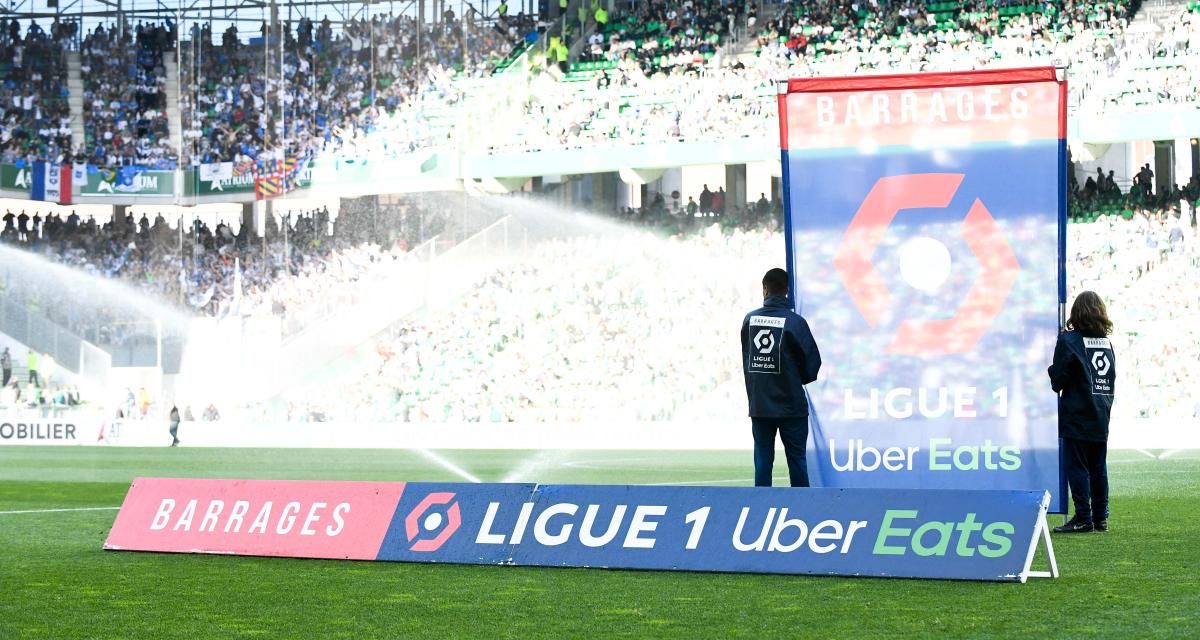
1063	186
785	191
941	79
1042	529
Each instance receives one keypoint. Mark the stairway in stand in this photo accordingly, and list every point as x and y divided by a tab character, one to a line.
174	116
75	99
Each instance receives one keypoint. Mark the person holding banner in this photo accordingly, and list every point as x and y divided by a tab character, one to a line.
780	357
1084	373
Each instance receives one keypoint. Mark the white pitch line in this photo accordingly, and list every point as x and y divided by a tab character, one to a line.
13	513
463	473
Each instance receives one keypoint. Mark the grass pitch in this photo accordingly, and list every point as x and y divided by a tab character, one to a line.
1140	580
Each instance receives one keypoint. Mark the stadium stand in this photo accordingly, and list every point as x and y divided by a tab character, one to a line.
1147	261
125	100
1159	66
625	91
665	70
662	35
524	348
35	117
197	270
378	87
48	399
329	92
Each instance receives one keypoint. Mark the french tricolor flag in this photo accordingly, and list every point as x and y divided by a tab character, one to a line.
51	182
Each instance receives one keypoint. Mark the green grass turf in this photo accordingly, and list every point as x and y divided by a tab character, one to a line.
1138	581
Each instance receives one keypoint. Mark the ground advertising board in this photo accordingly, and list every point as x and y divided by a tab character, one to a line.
51	427
228	178
85	427
965	535
15	178
127	181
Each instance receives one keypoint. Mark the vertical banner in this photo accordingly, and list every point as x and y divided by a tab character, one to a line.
65	174
45	183
51	183
37	182
923	220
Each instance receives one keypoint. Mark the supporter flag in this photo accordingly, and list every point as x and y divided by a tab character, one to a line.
293	170
268	178
268	187
924	216
51	182
216	171
199	299
288	167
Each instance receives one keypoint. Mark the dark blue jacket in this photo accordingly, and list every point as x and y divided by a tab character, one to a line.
779	357
1084	372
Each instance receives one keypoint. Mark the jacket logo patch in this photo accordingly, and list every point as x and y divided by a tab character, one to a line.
764	354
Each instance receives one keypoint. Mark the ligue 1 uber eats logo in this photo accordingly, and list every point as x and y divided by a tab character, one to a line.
974	315
765	341
425	520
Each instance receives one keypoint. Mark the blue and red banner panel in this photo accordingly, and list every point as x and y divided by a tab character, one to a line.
924	217
50	182
965	535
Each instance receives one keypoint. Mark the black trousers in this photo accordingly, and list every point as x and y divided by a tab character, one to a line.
1087	476
794	434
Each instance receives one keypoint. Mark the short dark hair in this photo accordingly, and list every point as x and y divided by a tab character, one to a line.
1089	316
776	281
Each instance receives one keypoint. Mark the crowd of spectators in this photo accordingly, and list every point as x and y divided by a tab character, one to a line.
1099	195
1159	65
310	87
385	85
665	35
371	89
35	116
607	343
849	36
619	340
734	95
37	387
672	215
304	264
317	90
125	97
610	345
1145	266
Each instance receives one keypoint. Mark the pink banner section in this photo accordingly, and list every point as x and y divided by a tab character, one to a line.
924	118
299	519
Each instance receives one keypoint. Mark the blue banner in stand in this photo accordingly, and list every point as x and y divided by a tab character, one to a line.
924	216
964	535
